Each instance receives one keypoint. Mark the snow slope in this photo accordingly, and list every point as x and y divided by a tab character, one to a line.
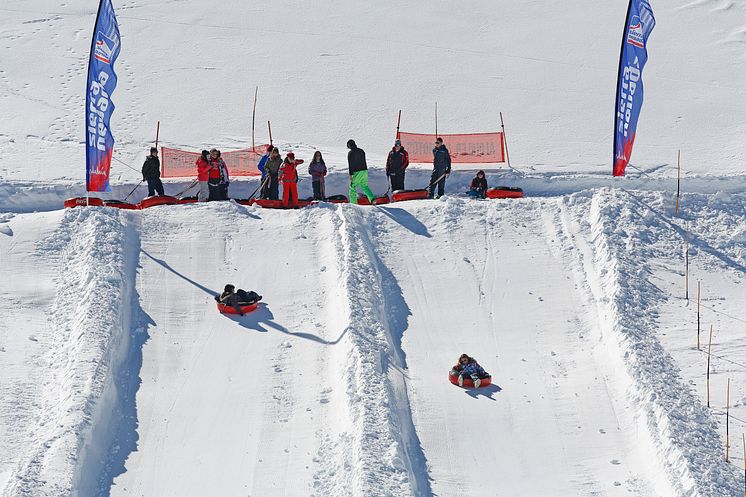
117	376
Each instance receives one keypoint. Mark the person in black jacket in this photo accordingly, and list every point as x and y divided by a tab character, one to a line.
151	172
396	166
441	167
358	172
237	298
478	187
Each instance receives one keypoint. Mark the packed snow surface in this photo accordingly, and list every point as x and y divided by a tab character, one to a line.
119	377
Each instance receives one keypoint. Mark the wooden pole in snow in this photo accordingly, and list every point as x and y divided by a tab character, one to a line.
678	180
505	141
727	421
686	272
269	127
698	304
436	119
157	132
398	122
253	120
709	353
743	437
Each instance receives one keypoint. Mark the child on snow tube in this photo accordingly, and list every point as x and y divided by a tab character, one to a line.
236	299
468	366
478	187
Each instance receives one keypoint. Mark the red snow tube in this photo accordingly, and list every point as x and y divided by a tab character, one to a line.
468	383
82	202
229	309
504	192
158	200
275	204
120	204
401	195
363	200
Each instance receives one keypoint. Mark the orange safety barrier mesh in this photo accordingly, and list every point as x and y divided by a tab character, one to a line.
468	148
177	163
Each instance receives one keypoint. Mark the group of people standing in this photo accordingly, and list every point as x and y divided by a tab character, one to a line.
213	177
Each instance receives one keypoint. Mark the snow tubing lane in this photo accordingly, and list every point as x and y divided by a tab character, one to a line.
383	199
82	202
468	383
504	192
121	204
401	195
229	309
158	200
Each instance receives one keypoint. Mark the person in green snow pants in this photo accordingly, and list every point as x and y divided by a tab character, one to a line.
358	172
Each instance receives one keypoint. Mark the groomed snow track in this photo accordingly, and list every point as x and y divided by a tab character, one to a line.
337	384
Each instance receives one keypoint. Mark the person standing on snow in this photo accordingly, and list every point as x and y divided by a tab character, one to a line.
289	177
396	165
358	172
151	172
263	161
272	167
203	175
317	170
441	167
217	177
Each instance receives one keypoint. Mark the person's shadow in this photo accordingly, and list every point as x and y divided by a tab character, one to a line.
487	391
262	318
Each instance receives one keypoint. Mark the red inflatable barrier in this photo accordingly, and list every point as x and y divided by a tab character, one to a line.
158	200
187	200
363	200
82	202
504	192
120	204
229	309
468	383
401	195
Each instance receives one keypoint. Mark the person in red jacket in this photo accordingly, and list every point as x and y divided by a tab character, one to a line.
203	174
289	178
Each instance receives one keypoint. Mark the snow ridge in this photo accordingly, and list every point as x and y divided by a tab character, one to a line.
682	429
382	465
88	316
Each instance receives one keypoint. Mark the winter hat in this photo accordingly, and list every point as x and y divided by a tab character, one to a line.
291	155
351	144
205	153
153	149
397	142
269	148
229	288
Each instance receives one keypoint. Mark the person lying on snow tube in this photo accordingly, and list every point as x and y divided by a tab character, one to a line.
468	366
478	187
238	298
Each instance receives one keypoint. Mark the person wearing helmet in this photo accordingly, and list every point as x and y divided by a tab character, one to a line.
358	169
478	187
237	298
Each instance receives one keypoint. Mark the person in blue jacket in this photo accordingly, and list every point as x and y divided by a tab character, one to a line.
468	366
441	168
263	161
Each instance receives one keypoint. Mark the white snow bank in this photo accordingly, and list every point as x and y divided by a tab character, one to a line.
90	319
682	430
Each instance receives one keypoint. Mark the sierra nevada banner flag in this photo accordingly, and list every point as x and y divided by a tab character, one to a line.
101	84
640	23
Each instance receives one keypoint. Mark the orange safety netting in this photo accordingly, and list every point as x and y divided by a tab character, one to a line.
177	163
469	148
